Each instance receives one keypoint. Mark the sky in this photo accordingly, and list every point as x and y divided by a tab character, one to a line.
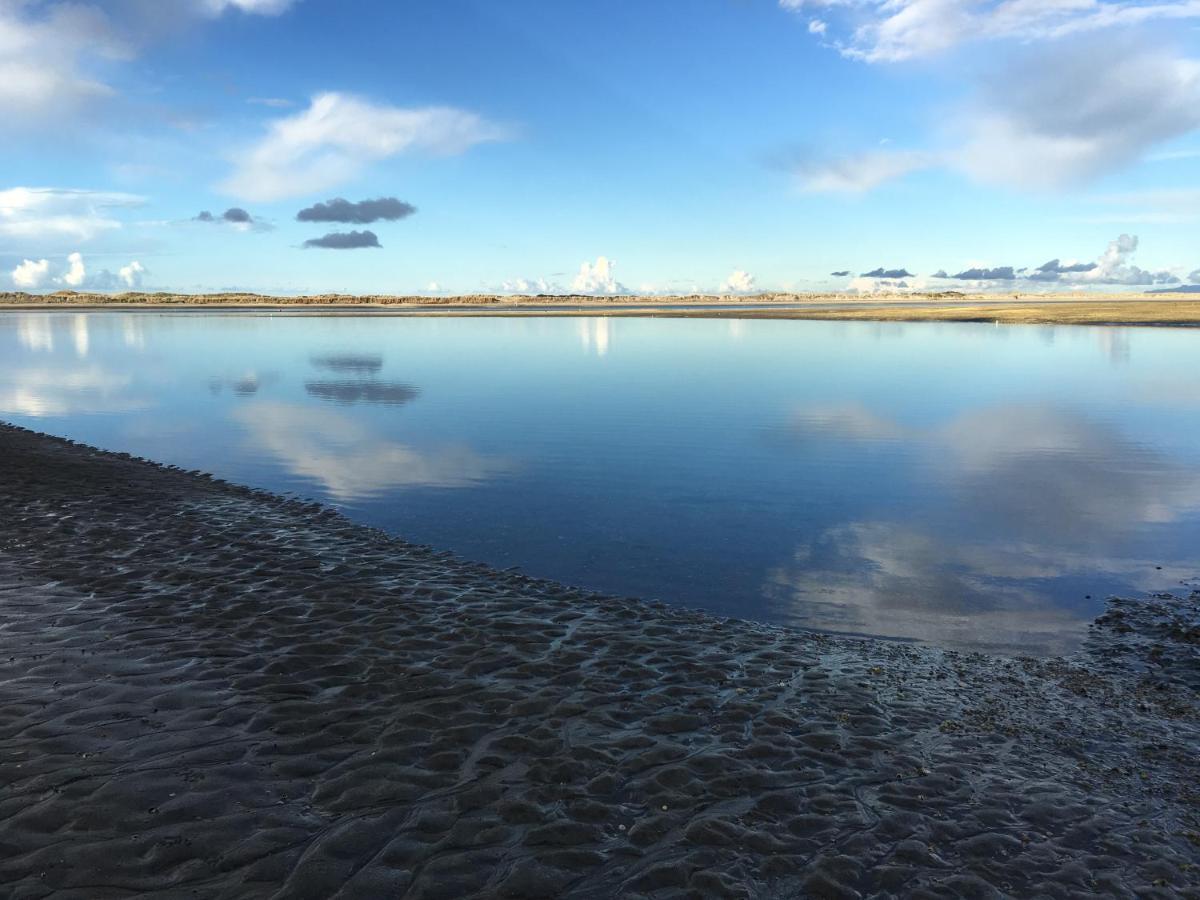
599	146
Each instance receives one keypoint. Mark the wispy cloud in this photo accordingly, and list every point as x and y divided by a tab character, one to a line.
857	173
1050	119
34	214
891	31
339	135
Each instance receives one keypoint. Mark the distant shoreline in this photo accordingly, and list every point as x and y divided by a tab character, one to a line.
1058	309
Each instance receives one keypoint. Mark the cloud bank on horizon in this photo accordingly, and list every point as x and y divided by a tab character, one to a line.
995	144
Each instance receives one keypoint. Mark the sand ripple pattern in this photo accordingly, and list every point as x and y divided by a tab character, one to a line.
211	692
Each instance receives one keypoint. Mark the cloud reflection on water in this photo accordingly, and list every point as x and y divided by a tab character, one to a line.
59	391
1039	500
595	334
350	460
349	363
346	393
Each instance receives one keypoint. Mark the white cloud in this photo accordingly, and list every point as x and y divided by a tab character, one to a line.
597	278
47	54
529	286
1114	267
859	173
55	213
76	271
738	282
868	284
58	58
31	274
255	7
889	31
352	461
132	274
1073	116
1055	119
338	135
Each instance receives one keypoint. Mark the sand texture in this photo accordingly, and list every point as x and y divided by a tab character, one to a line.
211	692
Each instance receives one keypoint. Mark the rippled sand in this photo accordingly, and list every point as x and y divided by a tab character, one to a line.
211	692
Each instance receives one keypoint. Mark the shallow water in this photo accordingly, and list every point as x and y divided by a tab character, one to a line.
967	485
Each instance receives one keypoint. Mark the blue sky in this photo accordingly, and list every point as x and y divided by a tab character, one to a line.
599	146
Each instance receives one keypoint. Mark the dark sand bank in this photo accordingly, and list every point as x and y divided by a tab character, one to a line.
211	692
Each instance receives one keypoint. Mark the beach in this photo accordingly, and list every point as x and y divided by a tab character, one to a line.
210	691
1181	309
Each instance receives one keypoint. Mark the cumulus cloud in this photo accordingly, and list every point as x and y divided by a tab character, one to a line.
841	274
891	31
338	135
857	173
738	282
1113	267
1000	273
362	212
235	217
529	286
887	273
30	273
1054	267
345	240
598	278
35	214
131	275
76	271
867	284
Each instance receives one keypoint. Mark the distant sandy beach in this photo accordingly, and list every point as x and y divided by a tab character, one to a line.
1182	309
209	691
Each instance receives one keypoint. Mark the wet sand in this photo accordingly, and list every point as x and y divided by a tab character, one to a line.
207	691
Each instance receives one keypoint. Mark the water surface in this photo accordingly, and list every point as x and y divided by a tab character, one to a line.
967	485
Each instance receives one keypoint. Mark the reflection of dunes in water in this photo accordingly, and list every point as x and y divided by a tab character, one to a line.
353	462
386	393
349	363
57	392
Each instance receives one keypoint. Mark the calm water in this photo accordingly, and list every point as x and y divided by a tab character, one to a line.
967	485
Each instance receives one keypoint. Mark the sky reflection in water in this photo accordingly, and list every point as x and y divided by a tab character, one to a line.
966	485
